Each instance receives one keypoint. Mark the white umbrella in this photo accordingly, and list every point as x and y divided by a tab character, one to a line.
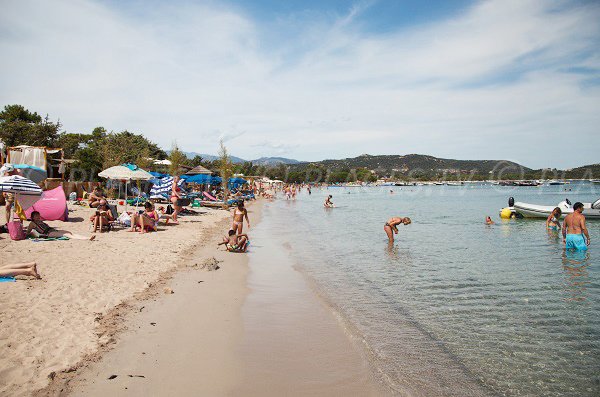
26	191
120	172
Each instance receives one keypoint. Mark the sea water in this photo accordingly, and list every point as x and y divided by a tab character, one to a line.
454	307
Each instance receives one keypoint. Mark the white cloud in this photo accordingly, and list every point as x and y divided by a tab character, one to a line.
489	83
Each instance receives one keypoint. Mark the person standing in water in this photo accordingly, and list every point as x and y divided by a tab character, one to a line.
553	222
574	229
328	203
391	226
238	218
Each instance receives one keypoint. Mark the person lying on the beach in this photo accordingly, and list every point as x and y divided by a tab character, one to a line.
102	216
391	226
147	221
19	269
489	221
328	203
235	242
553	222
39	229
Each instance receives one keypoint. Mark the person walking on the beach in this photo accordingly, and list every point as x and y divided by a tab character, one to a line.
238	218
574	229
391	226
328	203
176	199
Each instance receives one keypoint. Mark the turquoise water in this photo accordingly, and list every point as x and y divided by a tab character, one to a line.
454	307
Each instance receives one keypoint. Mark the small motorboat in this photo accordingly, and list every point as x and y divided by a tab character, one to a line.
595	181
590	210
556	183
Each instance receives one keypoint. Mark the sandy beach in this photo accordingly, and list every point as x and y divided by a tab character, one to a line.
51	327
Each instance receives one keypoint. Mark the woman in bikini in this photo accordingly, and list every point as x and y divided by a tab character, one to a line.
39	229
176	199
102	216
553	221
147	221
238	218
391	226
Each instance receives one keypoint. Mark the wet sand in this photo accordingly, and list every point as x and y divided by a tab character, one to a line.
219	337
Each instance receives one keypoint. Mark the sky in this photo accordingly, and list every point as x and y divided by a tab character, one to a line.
311	80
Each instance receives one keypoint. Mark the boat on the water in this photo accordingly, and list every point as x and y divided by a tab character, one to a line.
527	210
595	181
556	183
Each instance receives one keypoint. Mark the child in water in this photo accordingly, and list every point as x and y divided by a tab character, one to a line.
489	221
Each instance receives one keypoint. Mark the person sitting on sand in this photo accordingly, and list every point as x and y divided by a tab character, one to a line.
102	216
328	203
391	226
553	223
238	218
96	197
40	229
235	242
489	221
19	269
147	221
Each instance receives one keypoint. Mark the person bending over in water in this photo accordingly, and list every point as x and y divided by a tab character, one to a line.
489	221
574	229
328	203
19	269
553	222
238	218
235	242
391	226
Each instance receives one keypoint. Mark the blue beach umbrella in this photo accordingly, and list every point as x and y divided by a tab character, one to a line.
36	174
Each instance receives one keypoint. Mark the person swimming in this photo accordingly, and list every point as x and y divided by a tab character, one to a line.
575	233
391	226
489	221
328	203
553	222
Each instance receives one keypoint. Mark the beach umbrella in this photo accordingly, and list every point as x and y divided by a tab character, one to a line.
27	192
199	170
36	174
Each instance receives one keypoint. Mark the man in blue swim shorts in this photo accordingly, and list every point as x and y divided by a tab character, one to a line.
575	233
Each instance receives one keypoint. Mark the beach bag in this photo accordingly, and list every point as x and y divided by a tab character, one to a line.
124	219
169	210
15	230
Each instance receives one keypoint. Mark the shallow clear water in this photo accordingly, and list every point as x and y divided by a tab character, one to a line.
455	307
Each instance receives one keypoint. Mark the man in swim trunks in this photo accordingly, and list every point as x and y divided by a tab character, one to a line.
574	229
553	223
328	203
391	226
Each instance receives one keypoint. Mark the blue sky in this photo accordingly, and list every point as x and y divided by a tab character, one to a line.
493	79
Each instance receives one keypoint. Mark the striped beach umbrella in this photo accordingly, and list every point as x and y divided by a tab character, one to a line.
19	185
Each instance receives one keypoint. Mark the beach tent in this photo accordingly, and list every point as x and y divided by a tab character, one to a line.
52	206
199	170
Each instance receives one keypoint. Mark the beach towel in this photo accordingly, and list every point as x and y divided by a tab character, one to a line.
209	196
40	239
7	279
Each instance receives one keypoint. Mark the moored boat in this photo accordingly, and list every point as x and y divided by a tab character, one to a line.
528	210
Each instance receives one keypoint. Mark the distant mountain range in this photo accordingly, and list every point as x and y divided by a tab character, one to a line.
404	164
267	161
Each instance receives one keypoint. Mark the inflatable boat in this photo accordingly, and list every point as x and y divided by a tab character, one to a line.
590	210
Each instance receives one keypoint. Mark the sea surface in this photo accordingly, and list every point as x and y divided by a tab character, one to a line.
454	307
